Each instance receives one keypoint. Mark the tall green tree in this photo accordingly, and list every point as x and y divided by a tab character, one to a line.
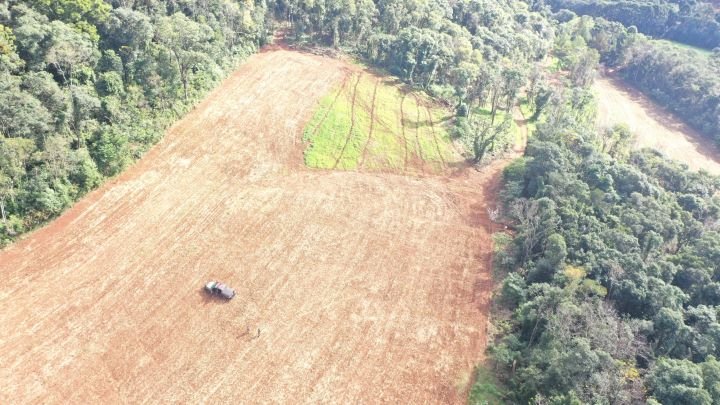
189	43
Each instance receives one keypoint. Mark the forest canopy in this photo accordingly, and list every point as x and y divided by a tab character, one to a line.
612	286
689	22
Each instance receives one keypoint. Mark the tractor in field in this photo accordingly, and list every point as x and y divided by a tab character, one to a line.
219	289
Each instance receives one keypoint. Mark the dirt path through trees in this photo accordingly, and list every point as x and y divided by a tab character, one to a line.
653	126
352	287
521	122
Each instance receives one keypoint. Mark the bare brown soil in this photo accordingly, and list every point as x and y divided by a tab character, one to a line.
653	126
352	287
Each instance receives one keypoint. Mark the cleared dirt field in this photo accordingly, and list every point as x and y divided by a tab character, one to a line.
352	287
653	126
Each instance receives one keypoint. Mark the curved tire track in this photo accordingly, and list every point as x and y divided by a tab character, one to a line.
332	105
417	134
347	275
352	122
434	135
372	125
402	127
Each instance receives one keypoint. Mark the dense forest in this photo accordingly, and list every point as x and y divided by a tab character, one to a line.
682	80
614	276
87	86
689	22
612	286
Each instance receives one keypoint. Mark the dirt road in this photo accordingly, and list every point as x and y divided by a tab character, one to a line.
653	126
352	287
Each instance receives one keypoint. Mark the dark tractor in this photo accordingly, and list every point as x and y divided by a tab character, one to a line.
219	289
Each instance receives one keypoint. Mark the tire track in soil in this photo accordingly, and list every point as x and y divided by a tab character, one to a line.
352	122
372	125
332	105
402	127
417	134
432	130
180	226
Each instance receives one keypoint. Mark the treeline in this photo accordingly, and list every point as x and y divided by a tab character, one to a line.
682	80
693	23
685	81
86	86
431	44
471	54
613	271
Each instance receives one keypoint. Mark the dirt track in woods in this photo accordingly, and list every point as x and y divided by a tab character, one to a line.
352	286
653	126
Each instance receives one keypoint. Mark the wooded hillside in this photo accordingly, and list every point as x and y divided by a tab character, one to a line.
693	23
614	283
87	86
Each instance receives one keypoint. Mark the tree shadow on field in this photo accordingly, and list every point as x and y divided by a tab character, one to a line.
206	298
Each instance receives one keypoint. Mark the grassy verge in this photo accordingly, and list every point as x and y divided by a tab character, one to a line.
487	389
387	149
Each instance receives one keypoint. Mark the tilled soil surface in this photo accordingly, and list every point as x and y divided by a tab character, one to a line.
351	287
653	126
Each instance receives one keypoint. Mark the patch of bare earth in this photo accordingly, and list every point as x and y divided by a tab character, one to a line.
653	126
352	287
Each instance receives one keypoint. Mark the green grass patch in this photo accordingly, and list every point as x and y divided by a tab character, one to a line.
486	389
425	137
525	108
356	139
391	131
387	148
517	133
700	51
327	131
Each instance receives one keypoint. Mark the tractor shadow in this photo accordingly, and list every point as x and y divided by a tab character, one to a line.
206	298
